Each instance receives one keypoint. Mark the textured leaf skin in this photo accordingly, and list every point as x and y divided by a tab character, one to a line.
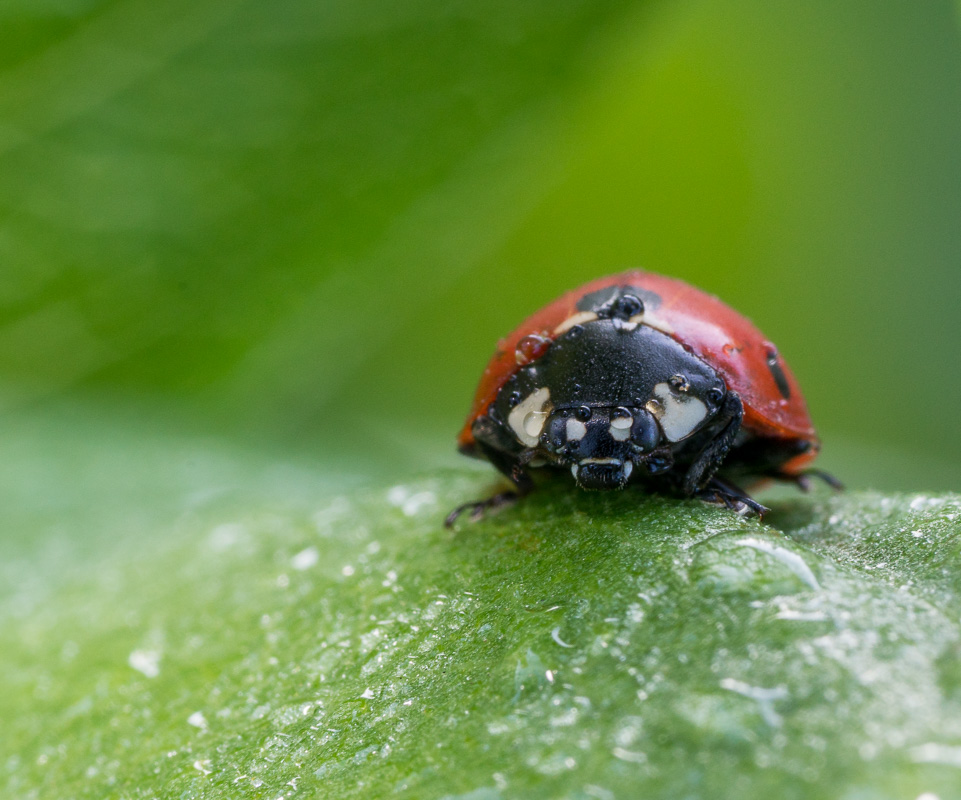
303	644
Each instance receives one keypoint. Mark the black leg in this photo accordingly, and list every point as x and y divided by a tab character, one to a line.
720	492
514	467
803	479
699	474
479	508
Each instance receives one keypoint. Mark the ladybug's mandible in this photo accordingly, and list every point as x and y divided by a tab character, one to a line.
641	378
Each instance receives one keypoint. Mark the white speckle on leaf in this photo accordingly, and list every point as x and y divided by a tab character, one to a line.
631	756
145	661
417	502
410	503
763	697
936	753
923	501
198	720
556	636
790	559
801	616
226	535
305	559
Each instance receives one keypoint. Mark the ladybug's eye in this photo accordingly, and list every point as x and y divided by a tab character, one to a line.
583	413
715	395
645	433
627	306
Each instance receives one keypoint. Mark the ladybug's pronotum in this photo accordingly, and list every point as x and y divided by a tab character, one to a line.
644	379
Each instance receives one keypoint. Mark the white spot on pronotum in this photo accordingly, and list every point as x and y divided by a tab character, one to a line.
578	319
622	421
651	319
620	434
527	418
679	414
620	429
575	429
145	661
534	423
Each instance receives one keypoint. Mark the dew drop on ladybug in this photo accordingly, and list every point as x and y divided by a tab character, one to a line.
530	348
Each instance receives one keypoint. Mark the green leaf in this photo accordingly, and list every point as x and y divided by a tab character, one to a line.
235	631
306	224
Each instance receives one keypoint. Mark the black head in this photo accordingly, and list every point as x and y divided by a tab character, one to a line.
602	443
610	396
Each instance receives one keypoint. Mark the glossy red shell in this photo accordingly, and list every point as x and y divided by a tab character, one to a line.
704	325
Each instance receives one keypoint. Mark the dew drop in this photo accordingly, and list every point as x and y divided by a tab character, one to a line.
534	423
530	348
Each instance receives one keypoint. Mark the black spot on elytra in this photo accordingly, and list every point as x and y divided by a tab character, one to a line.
603	299
774	365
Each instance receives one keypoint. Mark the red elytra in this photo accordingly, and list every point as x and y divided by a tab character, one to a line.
702	324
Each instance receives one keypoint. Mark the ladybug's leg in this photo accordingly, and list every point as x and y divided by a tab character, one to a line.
479	508
512	469
700	473
803	479
721	492
511	465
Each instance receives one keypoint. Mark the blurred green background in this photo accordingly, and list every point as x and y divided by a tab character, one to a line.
300	228
255	254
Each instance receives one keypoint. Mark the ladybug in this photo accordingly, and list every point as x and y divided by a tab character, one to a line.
640	378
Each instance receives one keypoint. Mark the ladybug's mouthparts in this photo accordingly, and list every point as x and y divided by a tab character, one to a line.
602	473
